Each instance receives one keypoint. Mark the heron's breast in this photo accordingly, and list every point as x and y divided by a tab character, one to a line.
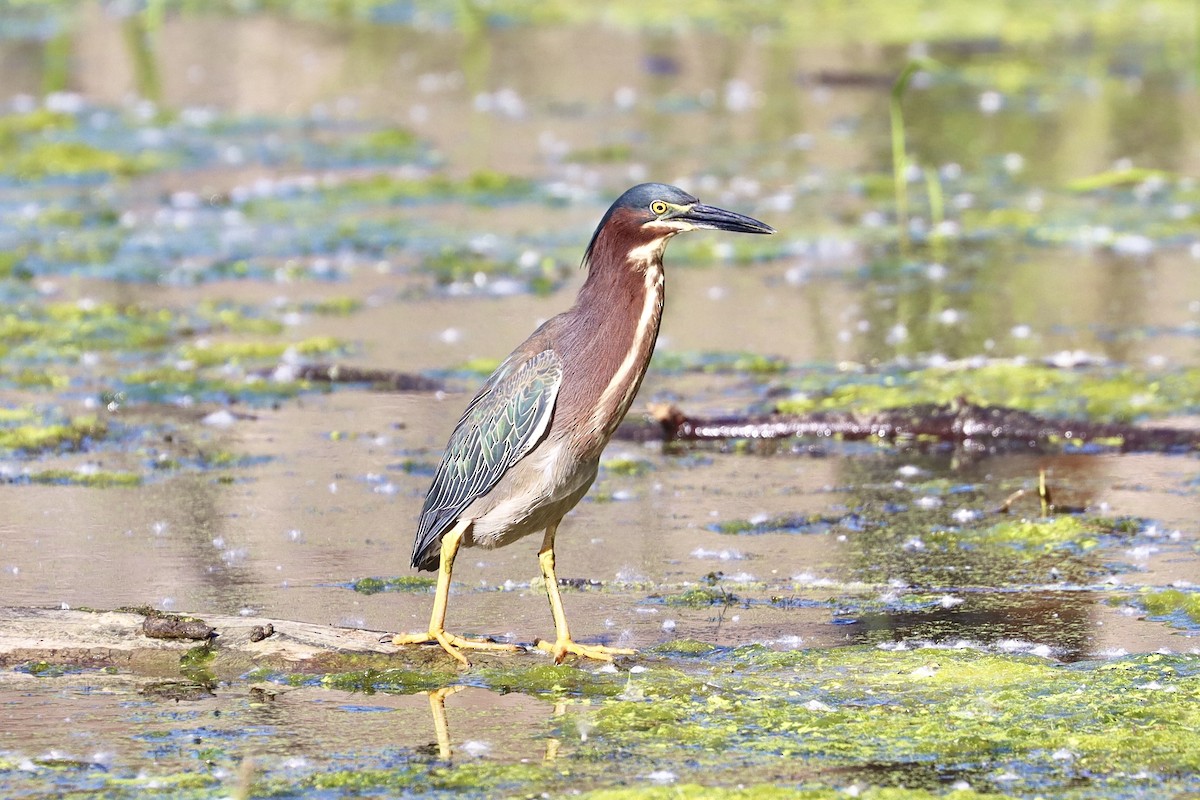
536	492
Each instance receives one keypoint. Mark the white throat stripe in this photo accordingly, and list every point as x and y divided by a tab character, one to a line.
647	325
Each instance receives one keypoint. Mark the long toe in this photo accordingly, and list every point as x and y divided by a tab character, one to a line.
441	637
481	644
401	639
561	648
454	645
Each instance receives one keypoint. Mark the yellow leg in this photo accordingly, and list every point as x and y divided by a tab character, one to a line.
452	644
563	644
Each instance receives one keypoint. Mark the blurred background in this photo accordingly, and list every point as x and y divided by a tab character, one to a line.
467	150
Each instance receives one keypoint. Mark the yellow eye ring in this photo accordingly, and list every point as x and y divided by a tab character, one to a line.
658	207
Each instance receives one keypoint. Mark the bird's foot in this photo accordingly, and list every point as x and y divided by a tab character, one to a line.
454	645
561	648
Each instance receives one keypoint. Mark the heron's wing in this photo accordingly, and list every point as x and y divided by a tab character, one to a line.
502	424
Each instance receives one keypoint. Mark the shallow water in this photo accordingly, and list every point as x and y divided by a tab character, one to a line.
254	220
289	537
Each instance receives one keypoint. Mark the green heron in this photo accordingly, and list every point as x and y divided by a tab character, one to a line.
528	446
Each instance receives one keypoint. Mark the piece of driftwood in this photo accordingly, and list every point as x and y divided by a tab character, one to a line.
84	638
962	422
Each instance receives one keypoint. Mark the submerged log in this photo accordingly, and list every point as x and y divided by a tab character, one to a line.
959	423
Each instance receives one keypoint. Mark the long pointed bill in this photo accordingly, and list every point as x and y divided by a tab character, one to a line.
719	219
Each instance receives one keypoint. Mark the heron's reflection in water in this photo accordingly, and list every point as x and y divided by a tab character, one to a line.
441	723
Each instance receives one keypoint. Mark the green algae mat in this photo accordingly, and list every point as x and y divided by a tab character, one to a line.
916	723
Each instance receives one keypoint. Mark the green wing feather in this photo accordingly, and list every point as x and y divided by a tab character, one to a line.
501	425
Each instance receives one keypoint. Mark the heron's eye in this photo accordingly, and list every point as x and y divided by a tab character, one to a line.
658	207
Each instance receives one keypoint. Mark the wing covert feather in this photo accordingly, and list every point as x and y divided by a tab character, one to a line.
504	421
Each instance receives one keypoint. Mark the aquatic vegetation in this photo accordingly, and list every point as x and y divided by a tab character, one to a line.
11	416
1118	178
626	466
402	583
49	159
770	791
357	781
386	189
11	265
40	120
857	707
1010	20
397	681
452	264
957	536
481	367
227	316
333	306
719	363
550	679
1173	602
208	354
842	714
69	328
168	384
32	149
182	782
99	479
687	648
1103	394
65	331
72	333
473	776
194	666
811	523
80	215
1039	534
467	270
43	669
700	597
387	143
69	434
604	154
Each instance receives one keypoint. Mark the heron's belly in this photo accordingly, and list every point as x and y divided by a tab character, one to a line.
536	493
